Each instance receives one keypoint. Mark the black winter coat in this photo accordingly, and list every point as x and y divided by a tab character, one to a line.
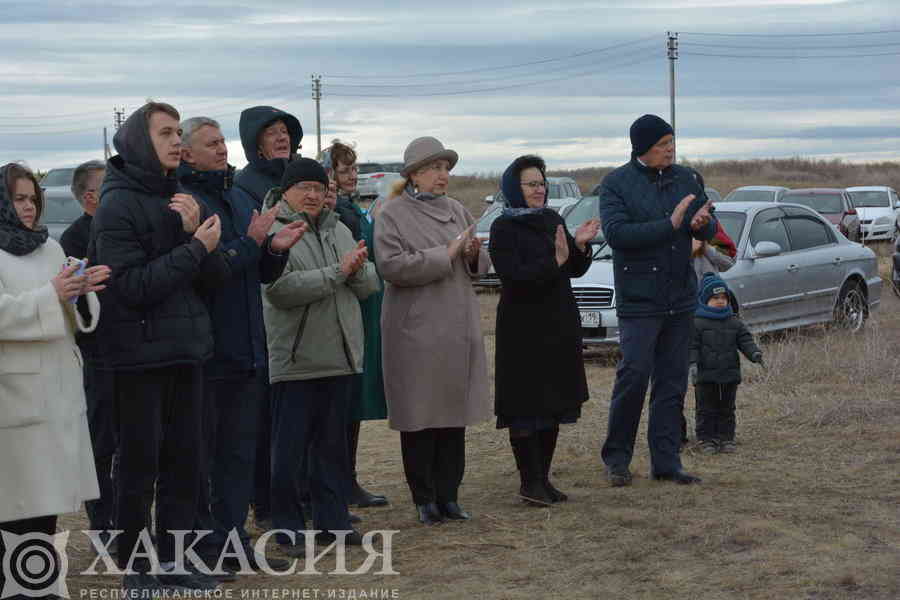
714	349
75	241
539	370
153	311
350	214
651	260
236	307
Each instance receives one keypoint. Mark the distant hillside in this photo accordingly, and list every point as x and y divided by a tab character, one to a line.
724	175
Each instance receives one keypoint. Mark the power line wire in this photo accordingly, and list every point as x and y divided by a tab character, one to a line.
788	56
833	34
496	68
791	47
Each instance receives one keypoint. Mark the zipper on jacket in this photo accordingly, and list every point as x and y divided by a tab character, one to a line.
299	335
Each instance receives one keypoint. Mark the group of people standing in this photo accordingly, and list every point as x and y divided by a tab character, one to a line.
273	311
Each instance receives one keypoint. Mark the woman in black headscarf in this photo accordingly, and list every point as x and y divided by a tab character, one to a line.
46	462
540	380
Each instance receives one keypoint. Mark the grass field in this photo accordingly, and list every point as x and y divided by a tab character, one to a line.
806	509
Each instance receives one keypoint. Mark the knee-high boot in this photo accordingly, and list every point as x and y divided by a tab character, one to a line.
527	450
548	439
358	496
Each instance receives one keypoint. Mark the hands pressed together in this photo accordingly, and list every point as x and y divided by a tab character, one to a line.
465	243
355	259
700	219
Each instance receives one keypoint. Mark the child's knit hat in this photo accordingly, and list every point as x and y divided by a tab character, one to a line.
710	285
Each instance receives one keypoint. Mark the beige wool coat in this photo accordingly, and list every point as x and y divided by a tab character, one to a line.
435	368
46	461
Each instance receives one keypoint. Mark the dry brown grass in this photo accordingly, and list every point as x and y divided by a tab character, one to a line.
724	175
807	507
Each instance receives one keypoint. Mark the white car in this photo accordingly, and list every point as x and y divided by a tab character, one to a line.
879	209
756	193
792	269
372	176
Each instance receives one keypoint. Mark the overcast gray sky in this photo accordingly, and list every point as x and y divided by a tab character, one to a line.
404	69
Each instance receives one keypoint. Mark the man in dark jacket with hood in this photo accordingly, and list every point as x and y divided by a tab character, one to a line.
271	139
235	377
162	248
650	210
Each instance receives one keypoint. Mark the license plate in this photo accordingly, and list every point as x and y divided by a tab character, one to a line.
590	318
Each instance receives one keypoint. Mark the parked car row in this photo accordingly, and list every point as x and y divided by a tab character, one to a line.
373	175
861	213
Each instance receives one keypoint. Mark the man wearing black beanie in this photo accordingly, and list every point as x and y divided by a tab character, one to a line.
650	209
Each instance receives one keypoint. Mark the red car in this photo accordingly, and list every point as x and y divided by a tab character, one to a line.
832	203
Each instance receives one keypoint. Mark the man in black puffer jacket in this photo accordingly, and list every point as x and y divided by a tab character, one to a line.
715	367
162	248
650	210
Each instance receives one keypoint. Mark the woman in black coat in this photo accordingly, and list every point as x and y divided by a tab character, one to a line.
540	380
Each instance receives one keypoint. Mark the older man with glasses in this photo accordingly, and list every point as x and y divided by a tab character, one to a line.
315	341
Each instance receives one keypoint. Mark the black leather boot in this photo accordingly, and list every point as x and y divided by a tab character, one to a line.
528	453
548	439
359	496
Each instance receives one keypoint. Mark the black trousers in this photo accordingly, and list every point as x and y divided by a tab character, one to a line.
99	392
309	427
434	461
715	411
45	525
653	348
230	427
262	480
160	442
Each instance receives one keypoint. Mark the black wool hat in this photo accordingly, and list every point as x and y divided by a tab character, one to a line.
646	131
303	169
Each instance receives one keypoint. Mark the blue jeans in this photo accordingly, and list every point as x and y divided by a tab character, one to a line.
653	348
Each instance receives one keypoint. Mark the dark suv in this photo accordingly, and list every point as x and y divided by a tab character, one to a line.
832	203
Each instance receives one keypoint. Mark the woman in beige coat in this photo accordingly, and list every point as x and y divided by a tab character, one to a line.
46	462
435	373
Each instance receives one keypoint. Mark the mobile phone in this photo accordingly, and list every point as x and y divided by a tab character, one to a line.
71	261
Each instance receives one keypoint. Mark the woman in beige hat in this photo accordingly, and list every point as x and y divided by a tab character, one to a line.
435	369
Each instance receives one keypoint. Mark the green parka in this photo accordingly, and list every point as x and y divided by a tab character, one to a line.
313	322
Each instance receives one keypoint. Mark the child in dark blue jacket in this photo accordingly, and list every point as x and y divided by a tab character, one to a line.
715	367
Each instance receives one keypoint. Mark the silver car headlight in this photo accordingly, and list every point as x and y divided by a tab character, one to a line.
883	221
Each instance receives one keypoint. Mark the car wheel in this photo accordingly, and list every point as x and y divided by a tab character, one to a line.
852	308
895	279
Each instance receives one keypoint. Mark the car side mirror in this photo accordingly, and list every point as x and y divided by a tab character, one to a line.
765	249
489	199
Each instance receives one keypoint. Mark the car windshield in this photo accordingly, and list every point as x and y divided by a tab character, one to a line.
59	208
393	167
827	204
732	223
370	168
750	196
487	219
871	198
713	195
58	177
555	191
584	210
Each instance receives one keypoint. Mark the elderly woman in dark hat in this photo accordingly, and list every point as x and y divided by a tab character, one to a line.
435	371
539	375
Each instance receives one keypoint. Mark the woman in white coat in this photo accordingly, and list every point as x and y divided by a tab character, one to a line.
46	464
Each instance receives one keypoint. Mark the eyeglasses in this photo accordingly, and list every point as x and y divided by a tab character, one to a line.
310	188
348	170
535	184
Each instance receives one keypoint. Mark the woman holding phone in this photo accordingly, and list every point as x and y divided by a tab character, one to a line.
539	375
435	368
46	461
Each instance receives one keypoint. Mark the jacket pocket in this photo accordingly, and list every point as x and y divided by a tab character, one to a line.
23	395
300	328
639	281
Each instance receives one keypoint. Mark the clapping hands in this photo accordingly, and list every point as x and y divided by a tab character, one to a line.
355	259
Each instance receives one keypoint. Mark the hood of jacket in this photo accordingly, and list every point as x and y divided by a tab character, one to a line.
510	185
15	238
253	120
136	166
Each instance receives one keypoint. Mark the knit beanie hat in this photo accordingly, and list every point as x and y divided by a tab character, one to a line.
303	169
646	131
710	285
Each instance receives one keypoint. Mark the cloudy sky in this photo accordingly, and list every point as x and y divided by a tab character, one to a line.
493	80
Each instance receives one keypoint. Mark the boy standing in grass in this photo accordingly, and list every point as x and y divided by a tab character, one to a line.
715	367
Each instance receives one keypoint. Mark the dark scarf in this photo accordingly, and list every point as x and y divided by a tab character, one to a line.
708	312
15	238
423	196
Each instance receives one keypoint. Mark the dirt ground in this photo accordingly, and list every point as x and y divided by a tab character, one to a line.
807	507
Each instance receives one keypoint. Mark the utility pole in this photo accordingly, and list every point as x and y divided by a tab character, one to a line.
105	146
672	48
317	96
119	115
